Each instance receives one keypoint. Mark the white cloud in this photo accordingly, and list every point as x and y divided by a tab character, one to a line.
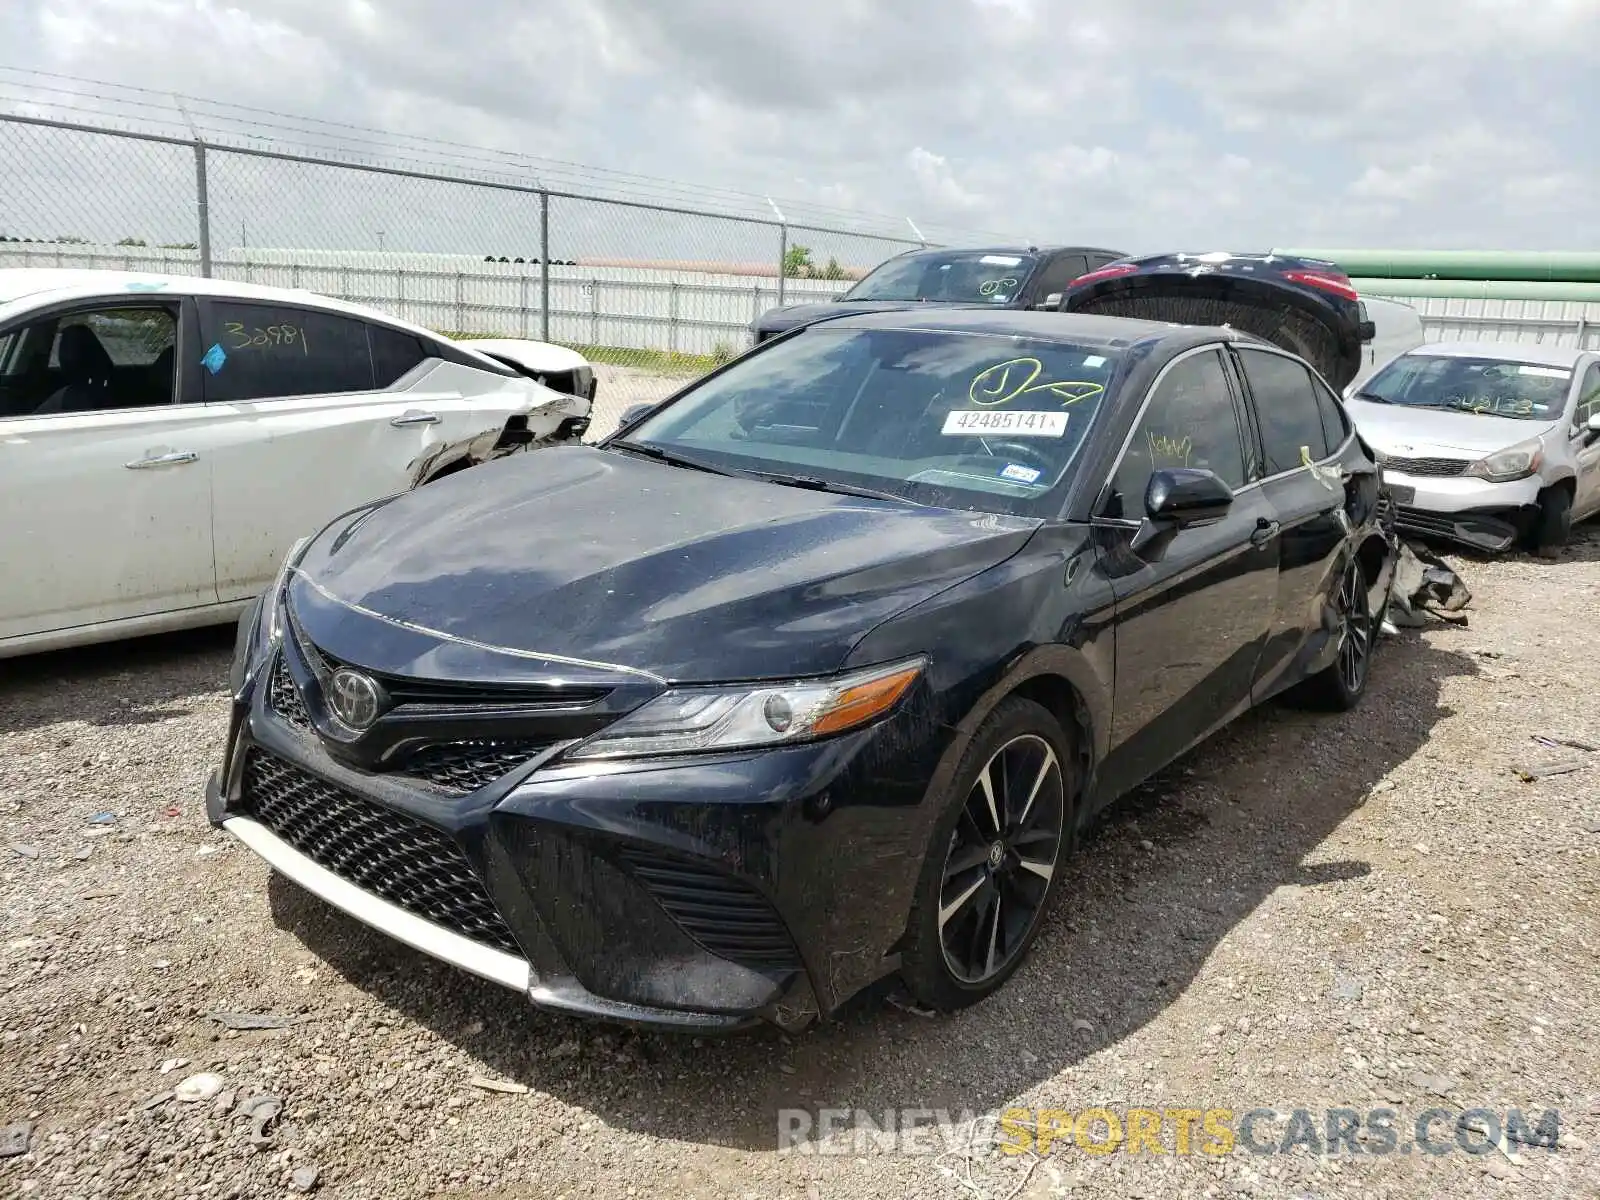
1142	124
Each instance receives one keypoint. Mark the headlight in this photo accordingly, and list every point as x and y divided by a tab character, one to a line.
685	720
270	627
1503	466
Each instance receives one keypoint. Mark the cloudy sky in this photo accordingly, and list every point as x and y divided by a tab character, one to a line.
1137	124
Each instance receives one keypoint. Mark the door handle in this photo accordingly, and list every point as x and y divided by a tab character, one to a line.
174	459
415	418
1265	531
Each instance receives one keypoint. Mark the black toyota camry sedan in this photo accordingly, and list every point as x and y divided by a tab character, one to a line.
813	674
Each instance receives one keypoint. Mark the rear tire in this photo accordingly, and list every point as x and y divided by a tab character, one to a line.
996	854
1339	686
1552	527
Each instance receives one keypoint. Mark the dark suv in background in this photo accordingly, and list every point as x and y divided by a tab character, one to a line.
984	277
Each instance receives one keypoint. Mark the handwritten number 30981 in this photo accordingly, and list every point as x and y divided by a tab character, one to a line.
284	335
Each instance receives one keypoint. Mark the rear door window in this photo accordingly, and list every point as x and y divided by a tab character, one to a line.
1287	408
1057	274
267	351
394	353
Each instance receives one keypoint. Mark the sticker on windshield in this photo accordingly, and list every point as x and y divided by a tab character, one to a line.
967	422
1546	372
1020	473
1095	360
1000	260
213	358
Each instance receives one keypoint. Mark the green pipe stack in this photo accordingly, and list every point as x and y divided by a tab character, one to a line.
1468	274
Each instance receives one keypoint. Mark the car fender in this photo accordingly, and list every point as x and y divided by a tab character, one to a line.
529	355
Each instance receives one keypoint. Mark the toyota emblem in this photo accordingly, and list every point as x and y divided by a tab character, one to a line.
354	699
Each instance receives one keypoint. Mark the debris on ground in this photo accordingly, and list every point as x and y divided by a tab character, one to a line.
498	1085
246	1021
14	1139
1424	583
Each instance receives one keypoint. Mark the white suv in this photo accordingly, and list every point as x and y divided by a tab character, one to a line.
1487	443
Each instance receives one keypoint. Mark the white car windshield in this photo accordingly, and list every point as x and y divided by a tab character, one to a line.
1492	386
957	277
976	421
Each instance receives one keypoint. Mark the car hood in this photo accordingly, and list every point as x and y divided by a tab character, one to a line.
595	556
1413	432
781	320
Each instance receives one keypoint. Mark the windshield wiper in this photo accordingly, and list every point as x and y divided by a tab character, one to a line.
673	458
1371	398
812	483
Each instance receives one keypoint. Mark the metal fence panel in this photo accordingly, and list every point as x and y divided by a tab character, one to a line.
121	199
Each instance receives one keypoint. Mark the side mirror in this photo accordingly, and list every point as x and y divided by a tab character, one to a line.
1593	427
1180	498
1051	303
633	413
1369	330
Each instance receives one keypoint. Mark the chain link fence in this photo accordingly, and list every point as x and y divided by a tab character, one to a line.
653	294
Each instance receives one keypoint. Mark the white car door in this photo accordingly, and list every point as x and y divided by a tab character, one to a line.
303	429
105	492
1586	447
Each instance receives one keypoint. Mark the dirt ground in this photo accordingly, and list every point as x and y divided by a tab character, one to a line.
1360	912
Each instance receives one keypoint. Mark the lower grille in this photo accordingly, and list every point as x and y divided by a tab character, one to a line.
285	697
723	914
389	854
466	766
1423	522
1438	468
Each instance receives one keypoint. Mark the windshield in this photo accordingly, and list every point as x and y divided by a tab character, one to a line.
1492	386
958	277
982	422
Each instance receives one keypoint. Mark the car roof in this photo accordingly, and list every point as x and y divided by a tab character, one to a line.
49	285
1074	328
1527	352
1035	250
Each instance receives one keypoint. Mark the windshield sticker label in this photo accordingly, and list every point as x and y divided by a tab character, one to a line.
1094	360
145	287
1020	473
1000	260
213	358
1018	422
1546	372
1005	381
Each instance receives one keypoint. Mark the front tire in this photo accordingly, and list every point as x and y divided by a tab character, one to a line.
1552	526
995	856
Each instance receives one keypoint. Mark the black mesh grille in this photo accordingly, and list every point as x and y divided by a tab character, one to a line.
467	766
285	697
384	852
1418	521
723	914
1436	467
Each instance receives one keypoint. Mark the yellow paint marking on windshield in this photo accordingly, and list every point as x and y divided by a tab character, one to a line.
990	286
1006	381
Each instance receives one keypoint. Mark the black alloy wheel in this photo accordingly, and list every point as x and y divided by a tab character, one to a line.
1340	686
1002	857
1355	629
995	857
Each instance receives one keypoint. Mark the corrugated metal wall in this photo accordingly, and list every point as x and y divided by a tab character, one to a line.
1547	322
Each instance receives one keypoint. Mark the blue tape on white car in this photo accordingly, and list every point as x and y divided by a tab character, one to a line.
214	358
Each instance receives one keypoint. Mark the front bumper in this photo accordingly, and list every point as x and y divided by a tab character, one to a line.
703	894
1474	512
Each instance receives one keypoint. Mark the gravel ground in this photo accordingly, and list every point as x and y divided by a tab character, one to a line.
1367	911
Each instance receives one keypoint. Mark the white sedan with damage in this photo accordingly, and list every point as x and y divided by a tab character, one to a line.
165	440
